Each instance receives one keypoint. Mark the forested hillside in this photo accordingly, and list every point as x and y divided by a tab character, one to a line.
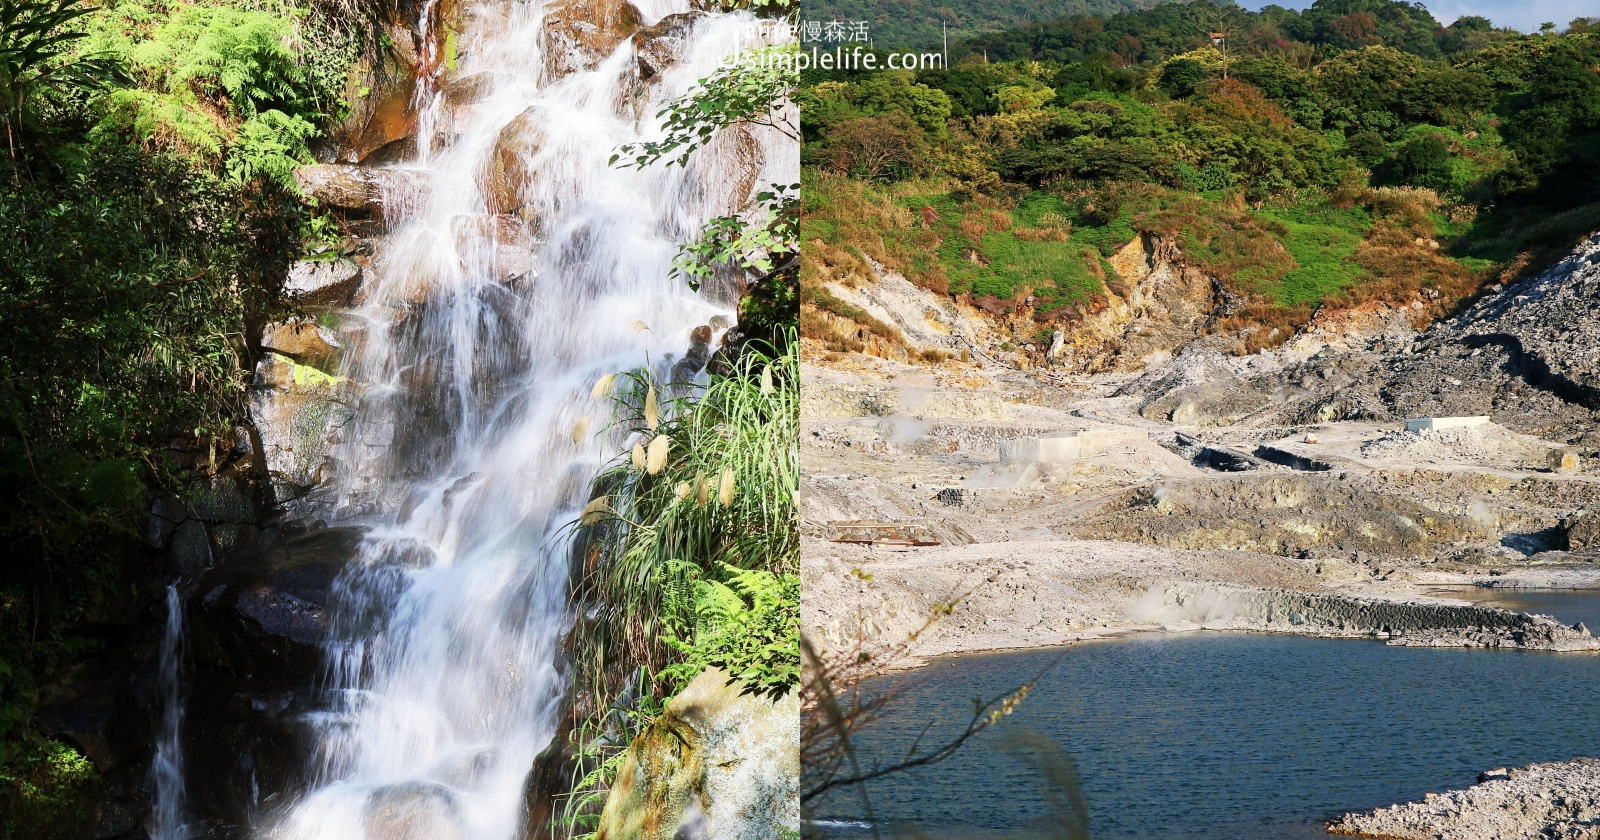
148	216
1351	152
1156	34
900	24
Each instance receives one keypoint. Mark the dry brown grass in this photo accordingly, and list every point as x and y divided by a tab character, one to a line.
1042	234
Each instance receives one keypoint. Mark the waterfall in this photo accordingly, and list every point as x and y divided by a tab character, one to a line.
518	268
167	806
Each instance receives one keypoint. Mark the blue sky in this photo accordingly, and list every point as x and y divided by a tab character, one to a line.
1525	15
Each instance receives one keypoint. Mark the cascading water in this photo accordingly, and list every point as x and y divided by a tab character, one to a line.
168	808
517	270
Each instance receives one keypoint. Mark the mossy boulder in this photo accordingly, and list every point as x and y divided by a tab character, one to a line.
299	411
719	764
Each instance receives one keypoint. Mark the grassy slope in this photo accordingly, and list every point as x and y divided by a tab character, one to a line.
1288	258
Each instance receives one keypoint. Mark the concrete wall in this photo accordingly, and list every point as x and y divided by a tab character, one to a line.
1424	423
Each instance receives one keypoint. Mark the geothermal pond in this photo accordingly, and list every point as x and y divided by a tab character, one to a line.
1208	735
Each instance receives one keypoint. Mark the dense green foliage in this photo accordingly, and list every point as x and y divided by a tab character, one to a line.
1163	32
901	24
744	625
146	212
693	553
243	83
1299	163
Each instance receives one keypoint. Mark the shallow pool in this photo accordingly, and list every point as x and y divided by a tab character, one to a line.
1206	735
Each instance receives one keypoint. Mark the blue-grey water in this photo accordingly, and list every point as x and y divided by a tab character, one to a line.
1236	736
1569	605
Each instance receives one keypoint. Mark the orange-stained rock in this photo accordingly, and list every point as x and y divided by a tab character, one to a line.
579	33
300	339
382	123
509	170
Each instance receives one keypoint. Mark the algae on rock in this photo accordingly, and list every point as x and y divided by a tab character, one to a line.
718	764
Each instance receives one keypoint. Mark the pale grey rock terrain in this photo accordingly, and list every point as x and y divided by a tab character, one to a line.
1273	492
1555	801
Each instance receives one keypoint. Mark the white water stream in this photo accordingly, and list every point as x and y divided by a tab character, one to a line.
168	806
445	673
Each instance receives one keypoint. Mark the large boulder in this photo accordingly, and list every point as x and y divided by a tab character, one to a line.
210	521
265	613
579	33
299	412
510	167
718	764
359	188
663	45
323	283
300	339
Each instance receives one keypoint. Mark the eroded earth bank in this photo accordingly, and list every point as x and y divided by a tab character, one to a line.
1133	472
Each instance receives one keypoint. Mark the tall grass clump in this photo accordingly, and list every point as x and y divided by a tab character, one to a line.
691	555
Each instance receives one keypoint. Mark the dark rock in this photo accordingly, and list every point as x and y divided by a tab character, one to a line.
1582	530
77	708
499	245
256	628
265	614
225	499
191	547
323	283
166	512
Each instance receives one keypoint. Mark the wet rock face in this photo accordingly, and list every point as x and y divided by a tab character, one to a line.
264	614
661	46
579	33
414	812
510	167
257	625
359	188
298	411
717	764
382	124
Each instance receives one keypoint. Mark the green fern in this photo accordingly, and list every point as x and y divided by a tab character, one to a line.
747	625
